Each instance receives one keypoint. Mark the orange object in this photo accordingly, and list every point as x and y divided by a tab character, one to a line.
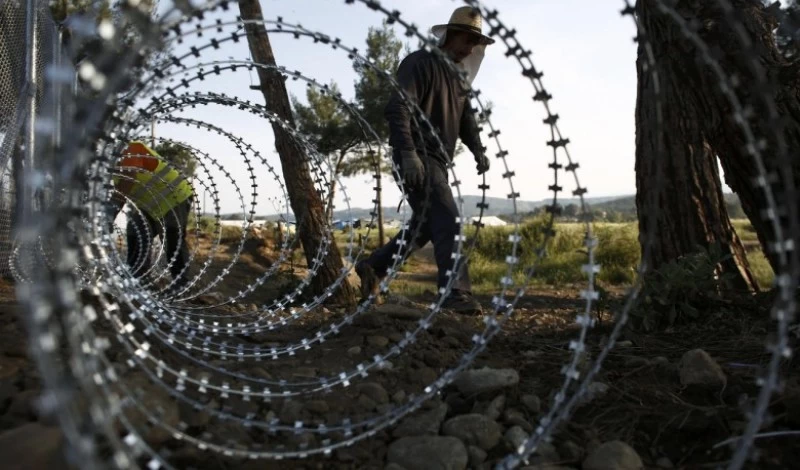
137	148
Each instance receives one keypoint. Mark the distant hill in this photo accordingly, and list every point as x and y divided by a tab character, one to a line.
496	206
501	206
627	205
620	207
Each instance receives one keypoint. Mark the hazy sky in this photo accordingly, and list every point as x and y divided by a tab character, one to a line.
584	47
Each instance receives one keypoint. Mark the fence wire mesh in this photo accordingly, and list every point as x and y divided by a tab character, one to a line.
16	93
162	364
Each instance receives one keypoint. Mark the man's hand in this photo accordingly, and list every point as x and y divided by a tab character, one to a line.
482	163
412	168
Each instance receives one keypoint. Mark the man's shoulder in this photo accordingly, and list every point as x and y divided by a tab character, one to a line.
420	56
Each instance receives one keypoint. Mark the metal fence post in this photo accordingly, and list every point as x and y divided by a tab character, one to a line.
58	107
24	159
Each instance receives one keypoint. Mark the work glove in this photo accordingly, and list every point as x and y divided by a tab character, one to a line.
482	163
412	168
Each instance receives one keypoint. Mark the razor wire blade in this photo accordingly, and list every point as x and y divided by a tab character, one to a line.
177	345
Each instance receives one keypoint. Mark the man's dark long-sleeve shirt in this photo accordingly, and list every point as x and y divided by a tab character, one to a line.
438	92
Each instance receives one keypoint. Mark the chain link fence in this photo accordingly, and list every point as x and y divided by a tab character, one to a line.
27	34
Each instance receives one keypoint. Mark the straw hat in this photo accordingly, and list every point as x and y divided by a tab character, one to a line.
464	19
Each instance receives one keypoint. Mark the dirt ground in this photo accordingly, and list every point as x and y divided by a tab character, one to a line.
640	400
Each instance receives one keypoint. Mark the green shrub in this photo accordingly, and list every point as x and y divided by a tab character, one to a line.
679	290
486	272
618	253
569	238
761	269
231	234
560	269
492	243
745	230
533	233
204	224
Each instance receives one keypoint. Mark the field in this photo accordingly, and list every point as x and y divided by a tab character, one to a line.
618	254
638	397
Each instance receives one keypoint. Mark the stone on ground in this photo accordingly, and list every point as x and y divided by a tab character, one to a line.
421	424
474	429
400	312
698	368
486	380
31	446
515	437
613	455
428	453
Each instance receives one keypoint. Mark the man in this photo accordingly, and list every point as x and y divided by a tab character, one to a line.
163	198
442	95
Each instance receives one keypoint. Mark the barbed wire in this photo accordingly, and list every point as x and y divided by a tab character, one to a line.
175	344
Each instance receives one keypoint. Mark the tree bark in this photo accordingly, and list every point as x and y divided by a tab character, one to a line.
305	201
783	76
331	194
688	210
379	197
337	168
721	129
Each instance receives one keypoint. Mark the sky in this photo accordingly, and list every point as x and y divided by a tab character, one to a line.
584	47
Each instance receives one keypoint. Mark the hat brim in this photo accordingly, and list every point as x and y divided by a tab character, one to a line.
440	29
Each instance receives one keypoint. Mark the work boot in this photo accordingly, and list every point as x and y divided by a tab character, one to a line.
370	282
463	303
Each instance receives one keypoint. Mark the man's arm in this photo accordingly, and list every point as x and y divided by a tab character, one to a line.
469	132
471	136
414	79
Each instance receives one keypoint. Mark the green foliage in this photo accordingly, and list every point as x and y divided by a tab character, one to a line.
761	269
372	89
326	122
745	230
372	93
207	224
335	132
179	156
486	271
491	242
231	234
561	265
60	9
559	269
688	284
618	253
681	289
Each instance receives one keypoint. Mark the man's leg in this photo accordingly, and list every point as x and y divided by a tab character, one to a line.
444	228
175	223
374	268
139	233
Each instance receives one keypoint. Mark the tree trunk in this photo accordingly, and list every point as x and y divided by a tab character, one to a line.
721	129
688	211
784	77
331	194
379	197
337	169
305	201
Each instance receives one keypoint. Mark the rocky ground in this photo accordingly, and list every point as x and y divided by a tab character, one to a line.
662	400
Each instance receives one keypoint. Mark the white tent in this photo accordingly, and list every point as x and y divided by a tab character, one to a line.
490	221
